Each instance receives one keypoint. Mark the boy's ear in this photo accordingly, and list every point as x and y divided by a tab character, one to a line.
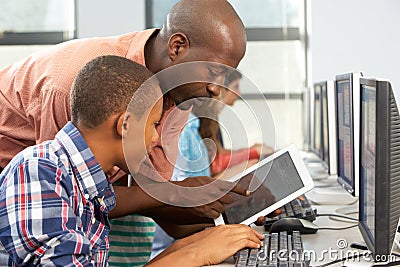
122	124
178	45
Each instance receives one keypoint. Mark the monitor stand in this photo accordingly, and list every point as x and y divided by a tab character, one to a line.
330	181
335	195
314	165
308	156
318	175
317	171
349	211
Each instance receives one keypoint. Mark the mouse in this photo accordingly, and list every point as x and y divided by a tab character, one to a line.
293	224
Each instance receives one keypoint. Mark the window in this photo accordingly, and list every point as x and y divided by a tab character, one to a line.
27	22
263	19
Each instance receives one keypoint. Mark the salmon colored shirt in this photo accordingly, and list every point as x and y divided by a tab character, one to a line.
35	92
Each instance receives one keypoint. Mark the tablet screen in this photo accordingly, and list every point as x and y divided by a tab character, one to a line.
268	184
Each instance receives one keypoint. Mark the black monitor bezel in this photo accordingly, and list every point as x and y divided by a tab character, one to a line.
325	151
343	181
313	149
379	244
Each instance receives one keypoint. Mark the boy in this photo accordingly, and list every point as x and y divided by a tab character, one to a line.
55	196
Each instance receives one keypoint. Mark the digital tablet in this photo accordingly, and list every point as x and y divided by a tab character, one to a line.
272	183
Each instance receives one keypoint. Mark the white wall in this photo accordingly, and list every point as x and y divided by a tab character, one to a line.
9	54
106	18
356	35
273	67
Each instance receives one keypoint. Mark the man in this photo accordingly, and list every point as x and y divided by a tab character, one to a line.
35	92
55	196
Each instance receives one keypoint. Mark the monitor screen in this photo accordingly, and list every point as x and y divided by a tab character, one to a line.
317	120
344	116
325	124
367	156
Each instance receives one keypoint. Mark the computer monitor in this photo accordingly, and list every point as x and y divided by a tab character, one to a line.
317	129
328	126
379	201
347	98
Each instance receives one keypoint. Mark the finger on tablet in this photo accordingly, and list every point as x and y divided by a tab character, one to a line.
226	199
260	221
240	190
217	207
231	187
275	213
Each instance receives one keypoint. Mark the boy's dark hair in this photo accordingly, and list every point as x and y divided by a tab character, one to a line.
105	86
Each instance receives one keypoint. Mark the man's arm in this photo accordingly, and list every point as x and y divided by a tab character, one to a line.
178	215
204	197
182	231
132	200
54	114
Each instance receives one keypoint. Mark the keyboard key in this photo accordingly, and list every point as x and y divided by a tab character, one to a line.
296	208
271	255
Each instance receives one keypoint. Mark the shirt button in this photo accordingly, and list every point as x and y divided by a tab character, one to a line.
86	196
93	220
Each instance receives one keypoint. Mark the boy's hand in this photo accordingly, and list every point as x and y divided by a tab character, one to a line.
221	242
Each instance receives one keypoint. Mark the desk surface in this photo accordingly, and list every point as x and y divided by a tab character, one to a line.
328	245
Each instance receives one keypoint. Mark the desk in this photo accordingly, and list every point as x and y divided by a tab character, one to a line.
335	242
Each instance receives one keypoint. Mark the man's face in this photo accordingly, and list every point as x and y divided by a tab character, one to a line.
208	76
207	81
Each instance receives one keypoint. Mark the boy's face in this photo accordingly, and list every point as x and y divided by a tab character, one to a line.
140	135
151	135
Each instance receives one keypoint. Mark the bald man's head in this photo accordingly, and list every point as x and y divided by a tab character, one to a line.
211	25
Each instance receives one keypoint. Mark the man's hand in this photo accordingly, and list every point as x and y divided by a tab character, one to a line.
201	196
207	196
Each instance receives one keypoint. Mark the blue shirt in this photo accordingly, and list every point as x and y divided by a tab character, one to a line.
54	204
193	157
192	161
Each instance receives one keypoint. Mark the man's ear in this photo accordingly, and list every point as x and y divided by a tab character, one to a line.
178	45
122	123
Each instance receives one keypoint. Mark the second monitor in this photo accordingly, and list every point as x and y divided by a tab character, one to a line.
328	126
347	98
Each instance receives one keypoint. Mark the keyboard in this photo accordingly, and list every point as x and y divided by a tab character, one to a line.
296	208
279	249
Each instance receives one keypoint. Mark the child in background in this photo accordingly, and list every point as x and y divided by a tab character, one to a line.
221	158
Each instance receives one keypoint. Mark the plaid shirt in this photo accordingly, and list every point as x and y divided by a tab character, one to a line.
54	204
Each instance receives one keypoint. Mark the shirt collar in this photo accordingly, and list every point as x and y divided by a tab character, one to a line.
136	49
193	121
90	176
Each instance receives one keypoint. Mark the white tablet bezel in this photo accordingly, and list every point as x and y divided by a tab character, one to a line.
301	169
